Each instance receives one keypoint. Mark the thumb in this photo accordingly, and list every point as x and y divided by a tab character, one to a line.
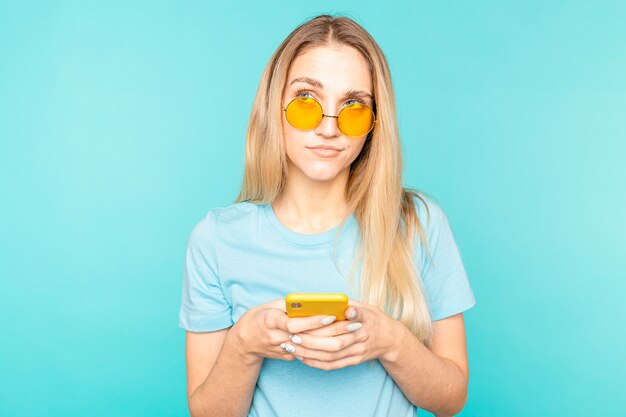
278	303
351	313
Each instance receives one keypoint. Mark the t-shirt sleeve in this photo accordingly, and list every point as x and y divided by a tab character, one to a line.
203	306
445	280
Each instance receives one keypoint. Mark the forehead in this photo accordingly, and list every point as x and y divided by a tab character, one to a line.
338	68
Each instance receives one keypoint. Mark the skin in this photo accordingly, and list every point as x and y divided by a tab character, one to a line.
223	366
314	196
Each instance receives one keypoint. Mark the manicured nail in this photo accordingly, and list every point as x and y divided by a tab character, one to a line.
328	320
300	358
352	314
353	326
288	347
295	339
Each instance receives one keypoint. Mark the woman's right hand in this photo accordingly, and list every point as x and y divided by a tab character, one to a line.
261	330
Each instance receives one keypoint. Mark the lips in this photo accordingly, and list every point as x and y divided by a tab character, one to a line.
325	152
324	147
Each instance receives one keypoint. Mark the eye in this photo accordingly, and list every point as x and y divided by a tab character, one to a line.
356	101
302	92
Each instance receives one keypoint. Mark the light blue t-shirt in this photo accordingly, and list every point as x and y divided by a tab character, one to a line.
241	256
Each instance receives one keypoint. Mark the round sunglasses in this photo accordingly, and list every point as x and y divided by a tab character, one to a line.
354	120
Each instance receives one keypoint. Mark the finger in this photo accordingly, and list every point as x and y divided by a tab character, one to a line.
284	354
278	303
311	356
276	319
278	345
336	329
358	307
356	303
336	364
352	312
302	324
324	343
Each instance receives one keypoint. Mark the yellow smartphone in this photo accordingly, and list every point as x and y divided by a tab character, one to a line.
301	304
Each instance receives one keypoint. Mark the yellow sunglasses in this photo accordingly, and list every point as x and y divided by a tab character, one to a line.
354	120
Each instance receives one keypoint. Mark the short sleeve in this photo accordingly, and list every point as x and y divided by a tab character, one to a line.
203	306
445	280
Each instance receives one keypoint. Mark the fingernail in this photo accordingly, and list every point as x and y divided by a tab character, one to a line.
352	314
353	326
288	347
300	358
328	320
295	339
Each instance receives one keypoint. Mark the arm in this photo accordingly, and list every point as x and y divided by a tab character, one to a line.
435	380
221	376
223	366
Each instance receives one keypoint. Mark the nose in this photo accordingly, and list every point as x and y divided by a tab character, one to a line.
328	126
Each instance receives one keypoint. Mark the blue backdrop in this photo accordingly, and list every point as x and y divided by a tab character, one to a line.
122	123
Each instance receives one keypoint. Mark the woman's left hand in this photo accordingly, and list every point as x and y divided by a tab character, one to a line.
367	333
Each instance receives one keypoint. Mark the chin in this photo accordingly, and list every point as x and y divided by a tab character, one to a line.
321	176
316	171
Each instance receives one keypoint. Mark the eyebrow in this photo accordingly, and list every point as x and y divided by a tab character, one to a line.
318	84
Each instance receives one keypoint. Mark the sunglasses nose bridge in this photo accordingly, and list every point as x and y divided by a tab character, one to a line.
334	125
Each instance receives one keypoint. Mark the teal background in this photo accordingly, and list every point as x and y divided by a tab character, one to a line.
122	123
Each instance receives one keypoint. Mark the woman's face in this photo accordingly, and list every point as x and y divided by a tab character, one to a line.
326	74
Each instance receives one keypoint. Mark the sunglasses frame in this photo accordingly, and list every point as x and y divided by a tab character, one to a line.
335	117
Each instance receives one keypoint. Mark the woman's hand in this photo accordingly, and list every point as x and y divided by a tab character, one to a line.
263	331
368	333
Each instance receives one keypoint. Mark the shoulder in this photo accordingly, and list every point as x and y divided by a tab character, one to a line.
236	215
429	211
233	212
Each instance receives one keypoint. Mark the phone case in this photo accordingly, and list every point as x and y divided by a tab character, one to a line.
311	304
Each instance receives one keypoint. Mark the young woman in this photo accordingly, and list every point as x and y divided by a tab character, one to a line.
322	209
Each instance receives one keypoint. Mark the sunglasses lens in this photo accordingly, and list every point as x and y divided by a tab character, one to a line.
356	120
304	113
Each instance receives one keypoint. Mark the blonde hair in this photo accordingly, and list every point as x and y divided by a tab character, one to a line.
383	208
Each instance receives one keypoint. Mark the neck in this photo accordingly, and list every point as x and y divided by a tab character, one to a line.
309	206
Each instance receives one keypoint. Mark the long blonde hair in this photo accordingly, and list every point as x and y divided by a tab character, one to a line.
384	209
